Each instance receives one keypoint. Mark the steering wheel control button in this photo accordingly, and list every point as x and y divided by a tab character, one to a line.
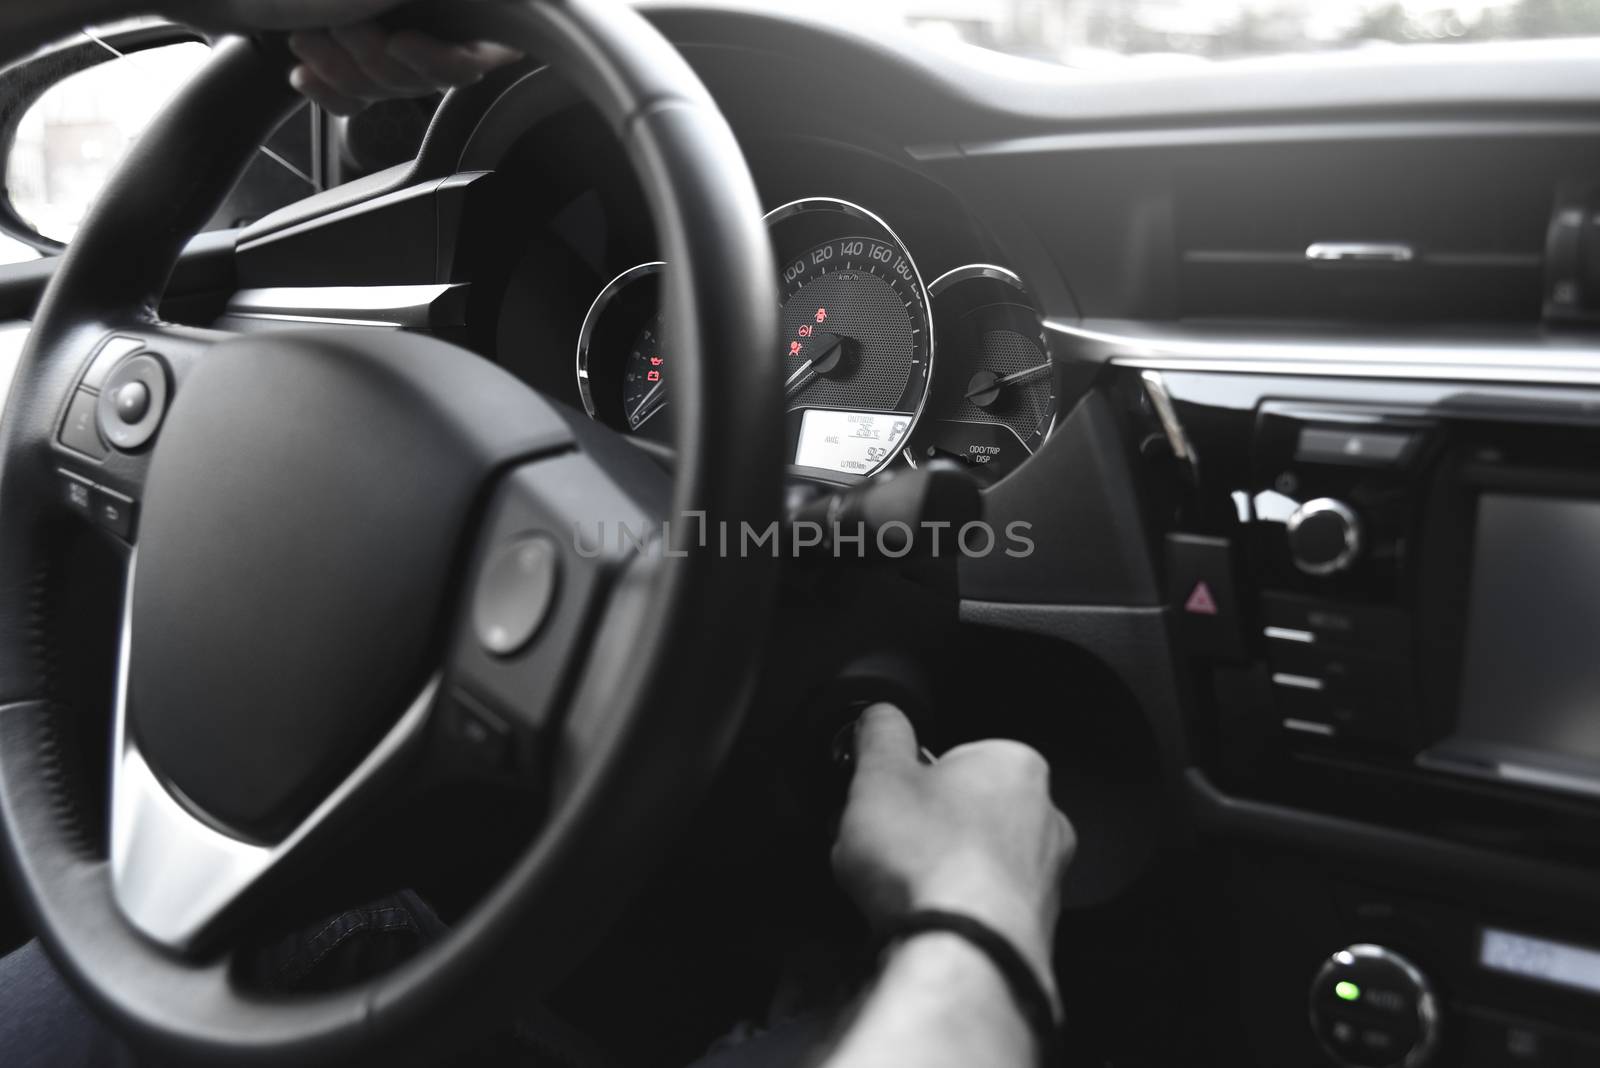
515	593
79	431
78	493
114	512
484	737
133	401
1372	1008
106	508
110	354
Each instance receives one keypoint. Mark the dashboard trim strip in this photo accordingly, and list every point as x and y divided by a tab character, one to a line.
415	306
1308	726
1539	364
1265	133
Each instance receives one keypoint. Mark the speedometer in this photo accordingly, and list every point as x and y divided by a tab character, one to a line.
857	345
856	348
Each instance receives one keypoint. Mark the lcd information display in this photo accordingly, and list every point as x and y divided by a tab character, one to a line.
1538	958
852	443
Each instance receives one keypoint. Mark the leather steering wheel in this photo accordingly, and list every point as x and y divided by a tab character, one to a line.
323	561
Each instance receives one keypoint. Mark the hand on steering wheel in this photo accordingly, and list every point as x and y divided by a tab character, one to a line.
348	58
348	67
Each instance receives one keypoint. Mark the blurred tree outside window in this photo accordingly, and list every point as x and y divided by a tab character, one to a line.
1102	33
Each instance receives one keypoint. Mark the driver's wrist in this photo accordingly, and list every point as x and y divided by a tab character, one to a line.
973	891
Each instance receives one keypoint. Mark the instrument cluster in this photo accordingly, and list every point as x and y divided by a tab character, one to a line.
879	367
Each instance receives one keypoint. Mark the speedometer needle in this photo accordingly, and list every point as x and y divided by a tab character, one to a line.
830	361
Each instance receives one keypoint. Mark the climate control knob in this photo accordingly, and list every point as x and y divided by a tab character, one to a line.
1324	536
1372	1008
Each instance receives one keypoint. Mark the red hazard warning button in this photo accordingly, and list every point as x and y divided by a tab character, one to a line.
1200	602
1203	599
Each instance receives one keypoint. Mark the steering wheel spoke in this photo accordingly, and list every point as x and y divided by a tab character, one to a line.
556	536
179	879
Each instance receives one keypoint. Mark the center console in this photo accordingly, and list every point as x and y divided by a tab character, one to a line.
1386	597
1422	585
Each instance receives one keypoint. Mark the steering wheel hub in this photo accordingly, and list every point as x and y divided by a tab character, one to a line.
307	504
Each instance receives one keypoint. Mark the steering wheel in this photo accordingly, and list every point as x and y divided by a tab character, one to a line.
345	558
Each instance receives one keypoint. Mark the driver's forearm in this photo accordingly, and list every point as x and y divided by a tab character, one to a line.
939	1003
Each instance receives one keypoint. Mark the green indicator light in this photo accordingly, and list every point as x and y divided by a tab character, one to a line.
1347	991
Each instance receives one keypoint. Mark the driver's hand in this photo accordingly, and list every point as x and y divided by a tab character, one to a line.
975	833
347	59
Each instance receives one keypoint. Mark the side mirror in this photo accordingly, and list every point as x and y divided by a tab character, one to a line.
67	116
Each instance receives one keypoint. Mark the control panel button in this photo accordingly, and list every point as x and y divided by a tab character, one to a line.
1324	536
80	431
1348	446
1200	583
515	593
133	401
1288	620
1372	1008
1360	696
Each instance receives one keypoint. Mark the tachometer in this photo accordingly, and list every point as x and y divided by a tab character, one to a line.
644	376
857	344
626	394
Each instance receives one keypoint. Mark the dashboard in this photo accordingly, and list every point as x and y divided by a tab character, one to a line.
1270	359
904	340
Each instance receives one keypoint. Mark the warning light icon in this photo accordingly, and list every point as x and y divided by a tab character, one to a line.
1200	602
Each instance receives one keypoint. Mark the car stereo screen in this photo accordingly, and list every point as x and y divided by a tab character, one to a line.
1530	685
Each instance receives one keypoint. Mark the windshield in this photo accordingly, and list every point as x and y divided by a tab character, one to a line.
1095	33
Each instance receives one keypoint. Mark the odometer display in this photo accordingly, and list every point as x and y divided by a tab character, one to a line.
854	443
